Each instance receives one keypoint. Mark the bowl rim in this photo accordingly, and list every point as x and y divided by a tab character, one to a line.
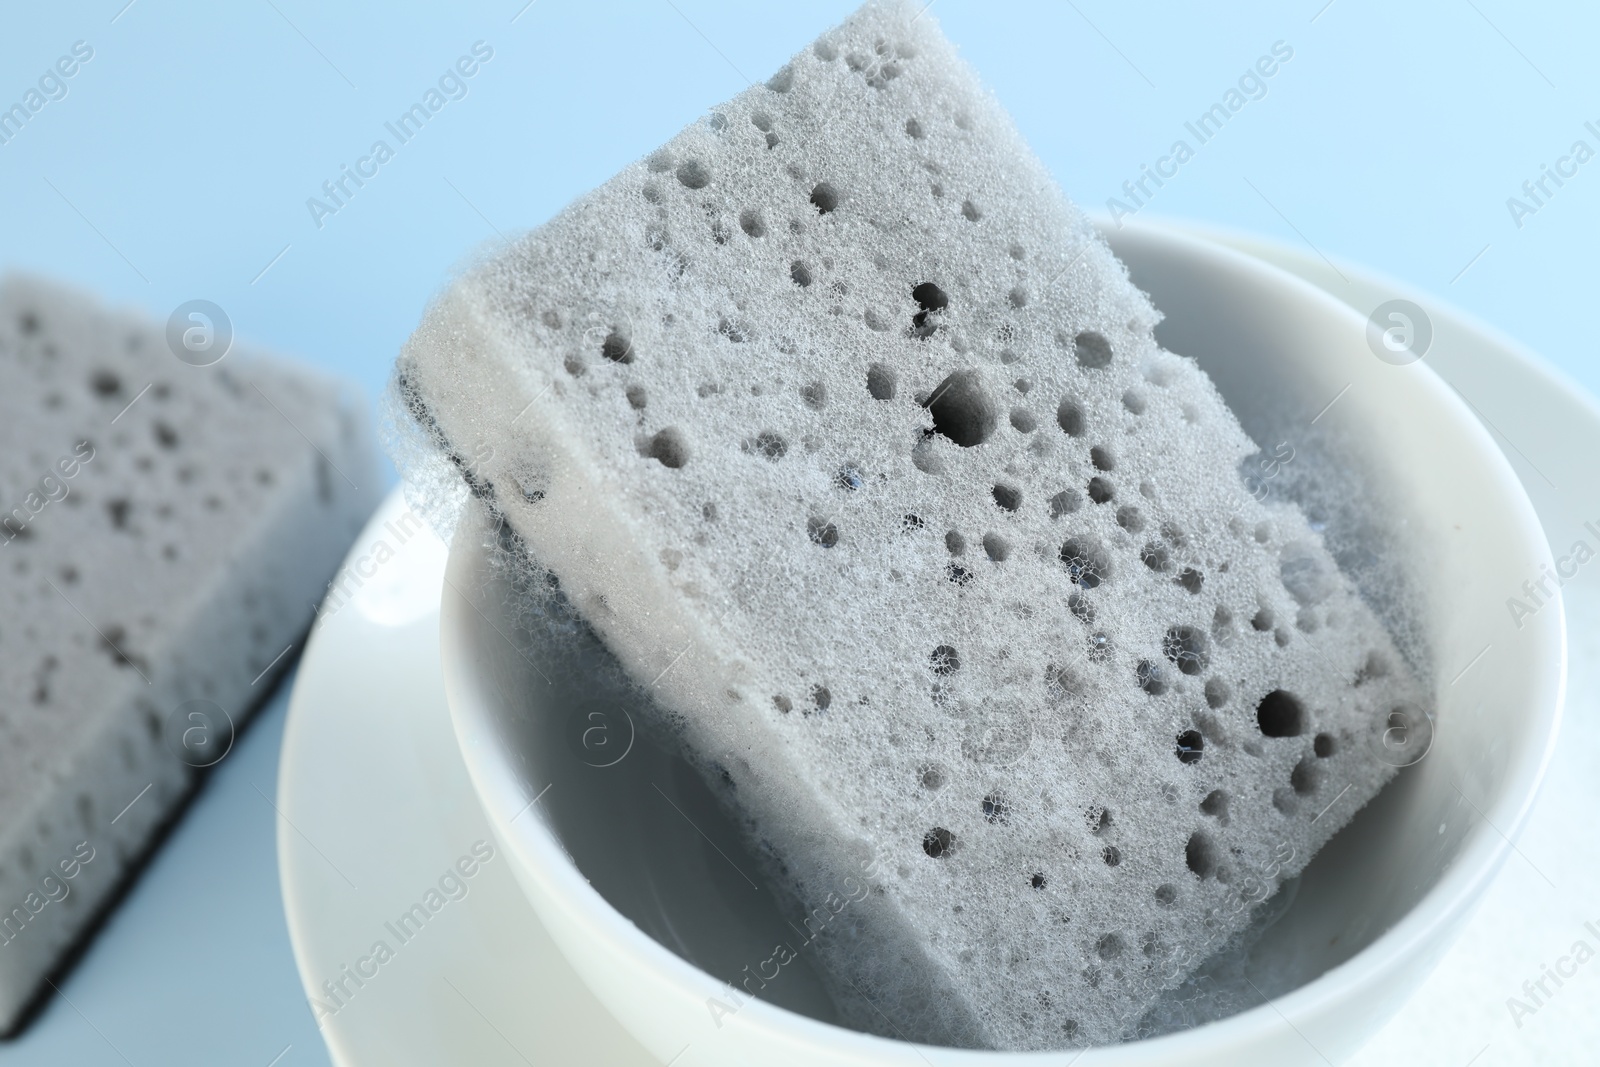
1458	889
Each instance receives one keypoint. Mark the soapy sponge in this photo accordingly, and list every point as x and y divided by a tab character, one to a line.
165	532
842	428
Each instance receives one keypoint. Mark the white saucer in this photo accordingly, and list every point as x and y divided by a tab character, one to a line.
377	805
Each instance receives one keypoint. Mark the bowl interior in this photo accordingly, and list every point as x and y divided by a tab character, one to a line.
1452	537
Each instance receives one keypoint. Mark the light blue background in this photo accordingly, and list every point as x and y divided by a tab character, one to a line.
179	163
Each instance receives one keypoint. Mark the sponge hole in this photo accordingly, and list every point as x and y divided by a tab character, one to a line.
1022	420
1280	714
800	274
1065	503
694	174
1069	416
824	197
1155	556
1222	624
1190	747
669	448
930	300
1284	799
1185	646
617	347
822	532
938	842
1306	778
1093	350
1215	804
1151	678
763	122
945	660
636	397
1200	855
1130	518
880	382
997	548
971	211
750	222
1008	497
1087	563
1062	681
1217	692
1100	490
914	129
768	443
1324	746
1081	607
962	411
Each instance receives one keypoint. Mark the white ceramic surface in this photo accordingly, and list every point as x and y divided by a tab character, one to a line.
1267	339
376	806
368	719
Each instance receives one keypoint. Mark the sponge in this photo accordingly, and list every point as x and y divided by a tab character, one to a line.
165	532
845	432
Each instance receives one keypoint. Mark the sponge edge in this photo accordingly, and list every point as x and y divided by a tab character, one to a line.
852	441
175	557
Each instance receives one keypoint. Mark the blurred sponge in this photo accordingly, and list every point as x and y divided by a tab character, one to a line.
165	532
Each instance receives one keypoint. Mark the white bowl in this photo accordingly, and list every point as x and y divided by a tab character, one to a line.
633	872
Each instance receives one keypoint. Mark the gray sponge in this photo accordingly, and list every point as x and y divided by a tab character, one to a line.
151	556
846	433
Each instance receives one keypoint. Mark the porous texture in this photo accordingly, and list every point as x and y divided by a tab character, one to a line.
842	428
151	556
